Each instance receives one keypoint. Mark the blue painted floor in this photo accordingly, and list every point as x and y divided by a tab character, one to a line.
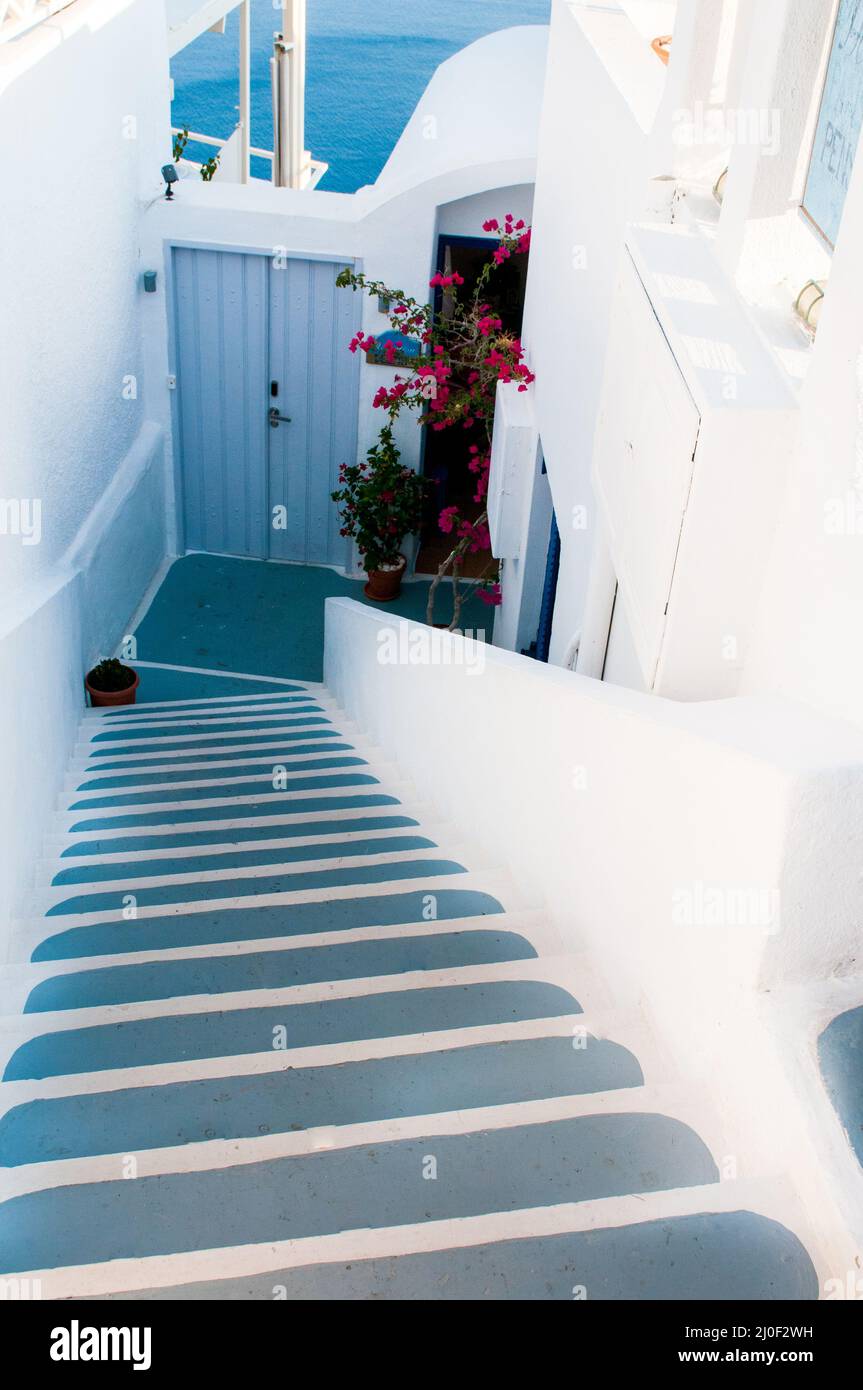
840	1053
254	616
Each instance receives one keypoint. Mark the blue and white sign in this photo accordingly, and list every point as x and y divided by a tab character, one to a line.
839	122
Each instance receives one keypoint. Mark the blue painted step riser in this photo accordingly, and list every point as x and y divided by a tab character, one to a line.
229	889
223	793
251	693
233	835
708	1257
240	1032
193	1112
250	923
240	859
143	714
205	748
226	775
392	1184
128	984
212	763
276	806
127	737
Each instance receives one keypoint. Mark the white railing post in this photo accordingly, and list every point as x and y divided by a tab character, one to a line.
245	91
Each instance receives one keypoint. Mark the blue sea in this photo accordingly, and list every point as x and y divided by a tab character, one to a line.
367	65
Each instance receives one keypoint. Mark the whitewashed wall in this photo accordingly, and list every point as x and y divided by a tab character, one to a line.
84	112
631	818
809	638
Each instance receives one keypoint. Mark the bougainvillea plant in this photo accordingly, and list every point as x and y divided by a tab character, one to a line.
380	502
453	386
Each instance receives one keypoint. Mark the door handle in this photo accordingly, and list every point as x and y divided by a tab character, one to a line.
276	419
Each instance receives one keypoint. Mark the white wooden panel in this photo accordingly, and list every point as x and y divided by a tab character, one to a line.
513	459
647	430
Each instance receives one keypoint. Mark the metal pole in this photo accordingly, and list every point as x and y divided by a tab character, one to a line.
294	31
245	91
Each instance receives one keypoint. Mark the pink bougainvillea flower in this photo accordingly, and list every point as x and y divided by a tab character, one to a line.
492	596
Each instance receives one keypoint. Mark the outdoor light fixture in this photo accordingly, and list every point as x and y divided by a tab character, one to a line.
719	186
808	303
170	175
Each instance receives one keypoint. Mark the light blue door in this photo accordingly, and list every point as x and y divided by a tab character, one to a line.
267	403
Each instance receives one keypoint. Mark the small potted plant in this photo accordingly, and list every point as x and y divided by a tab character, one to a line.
381	502
111	683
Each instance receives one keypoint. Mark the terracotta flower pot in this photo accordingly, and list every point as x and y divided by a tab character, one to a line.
113	697
385	585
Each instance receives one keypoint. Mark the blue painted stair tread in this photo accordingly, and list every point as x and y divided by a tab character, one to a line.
163	683
707	1257
260	769
221	728
206	747
840	1054
263	782
241	1032
377	1185
299	1098
251	810
187	713
169	893
250	923
238	859
272	750
205	741
351	960
233	835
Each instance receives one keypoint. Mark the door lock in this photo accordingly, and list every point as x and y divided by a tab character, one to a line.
276	419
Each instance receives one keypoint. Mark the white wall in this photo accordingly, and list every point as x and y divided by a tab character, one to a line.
465	216
809	637
617	810
84	119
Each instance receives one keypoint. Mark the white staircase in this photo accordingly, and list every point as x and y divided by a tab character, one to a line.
268	1033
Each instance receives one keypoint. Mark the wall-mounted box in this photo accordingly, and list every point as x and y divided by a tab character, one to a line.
513	455
694	436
